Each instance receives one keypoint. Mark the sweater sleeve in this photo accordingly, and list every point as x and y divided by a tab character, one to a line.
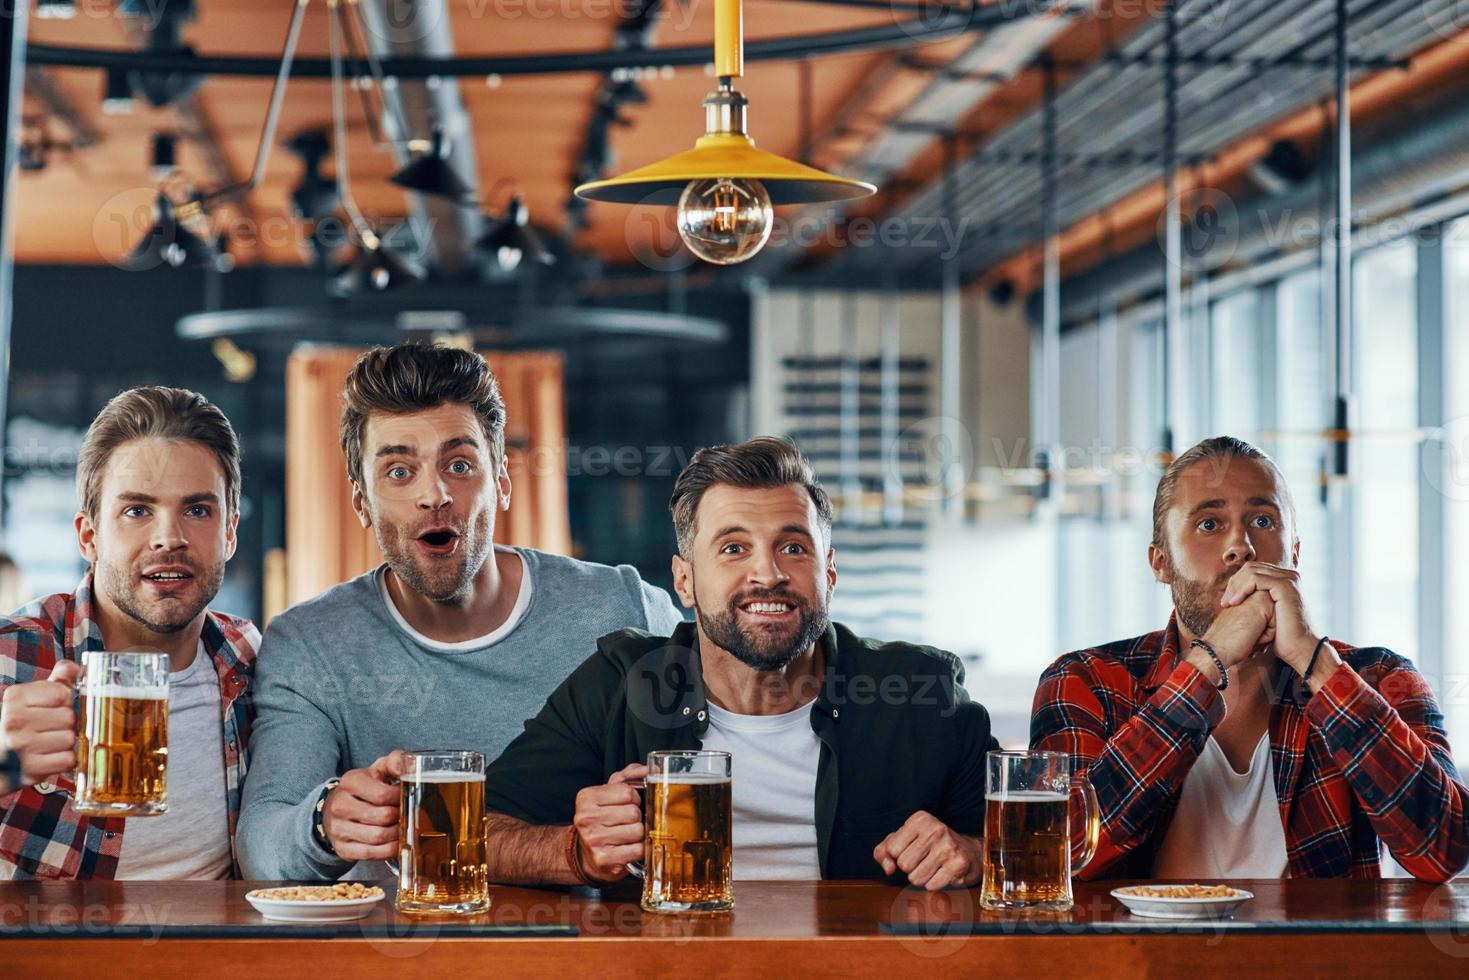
295	747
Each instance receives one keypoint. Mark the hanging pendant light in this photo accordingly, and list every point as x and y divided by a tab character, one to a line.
374	269
430	173
511	240
724	187
168	242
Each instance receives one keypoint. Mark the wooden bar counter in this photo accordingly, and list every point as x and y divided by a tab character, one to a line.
1392	928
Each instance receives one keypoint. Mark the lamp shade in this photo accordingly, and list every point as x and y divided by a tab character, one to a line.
728	155
512	235
431	174
167	241
374	269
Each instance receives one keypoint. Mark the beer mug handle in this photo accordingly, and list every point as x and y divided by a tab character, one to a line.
635	868
1092	830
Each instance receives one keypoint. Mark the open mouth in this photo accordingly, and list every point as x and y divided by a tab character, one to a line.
440	540
168	578
767	608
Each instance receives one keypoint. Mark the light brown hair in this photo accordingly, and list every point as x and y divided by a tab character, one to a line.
1219	451
762	463
414	377
153	412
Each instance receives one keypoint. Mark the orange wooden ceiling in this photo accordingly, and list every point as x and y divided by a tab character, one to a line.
86	207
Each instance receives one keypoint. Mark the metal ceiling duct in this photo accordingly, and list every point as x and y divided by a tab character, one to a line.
422	28
1116	106
1396	172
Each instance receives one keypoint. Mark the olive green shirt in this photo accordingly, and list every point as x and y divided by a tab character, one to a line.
897	730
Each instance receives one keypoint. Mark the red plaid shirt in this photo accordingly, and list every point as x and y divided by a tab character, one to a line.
41	836
1364	760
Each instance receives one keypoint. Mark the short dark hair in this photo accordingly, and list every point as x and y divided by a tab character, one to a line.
411	378
155	412
762	463
1218	449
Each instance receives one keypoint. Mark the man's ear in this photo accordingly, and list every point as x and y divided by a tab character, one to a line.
683	581
831	569
1158	562
231	536
502	485
86	537
1295	554
359	505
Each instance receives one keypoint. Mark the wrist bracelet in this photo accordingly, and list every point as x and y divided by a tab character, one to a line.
573	859
9	772
1218	664
318	816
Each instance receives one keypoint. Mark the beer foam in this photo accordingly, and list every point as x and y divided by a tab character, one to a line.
687	778
445	777
120	691
1027	796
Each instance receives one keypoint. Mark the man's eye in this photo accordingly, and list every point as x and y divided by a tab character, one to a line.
136	510
1208	524
795	549
460	466
398	473
199	510
1265	521
730	549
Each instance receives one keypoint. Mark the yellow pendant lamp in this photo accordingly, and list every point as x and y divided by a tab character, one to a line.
725	187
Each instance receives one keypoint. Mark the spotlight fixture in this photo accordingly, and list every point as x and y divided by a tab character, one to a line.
169	240
511	239
725	188
117	97
430	173
165	156
374	269
165	36
316	196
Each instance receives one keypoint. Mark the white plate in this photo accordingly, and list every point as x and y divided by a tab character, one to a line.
288	910
1183	908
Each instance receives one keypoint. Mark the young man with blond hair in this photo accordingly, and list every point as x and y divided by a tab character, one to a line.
158	479
1239	741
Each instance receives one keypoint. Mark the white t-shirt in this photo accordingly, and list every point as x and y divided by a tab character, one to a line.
517	613
773	760
1227	824
191	840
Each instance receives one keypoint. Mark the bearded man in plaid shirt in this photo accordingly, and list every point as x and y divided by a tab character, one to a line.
158	477
1240	742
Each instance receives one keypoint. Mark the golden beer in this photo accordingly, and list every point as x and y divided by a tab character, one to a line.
1028	833
688	848
1027	850
441	841
122	742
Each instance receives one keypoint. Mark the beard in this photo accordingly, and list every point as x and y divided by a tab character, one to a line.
765	649
122	586
440	578
1197	601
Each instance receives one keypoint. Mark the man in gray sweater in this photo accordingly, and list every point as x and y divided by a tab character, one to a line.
452	643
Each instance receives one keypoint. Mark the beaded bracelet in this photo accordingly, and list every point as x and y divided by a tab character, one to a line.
318	816
1219	664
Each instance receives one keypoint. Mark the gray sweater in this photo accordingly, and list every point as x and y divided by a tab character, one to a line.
341	680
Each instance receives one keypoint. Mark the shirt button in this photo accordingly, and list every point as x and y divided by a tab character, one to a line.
109	834
688	711
835	713
702	715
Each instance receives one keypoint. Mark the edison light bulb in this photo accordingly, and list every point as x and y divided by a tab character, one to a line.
726	220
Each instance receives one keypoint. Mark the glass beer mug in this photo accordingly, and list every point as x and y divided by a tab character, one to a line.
1030	849
122	735
687	824
441	834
